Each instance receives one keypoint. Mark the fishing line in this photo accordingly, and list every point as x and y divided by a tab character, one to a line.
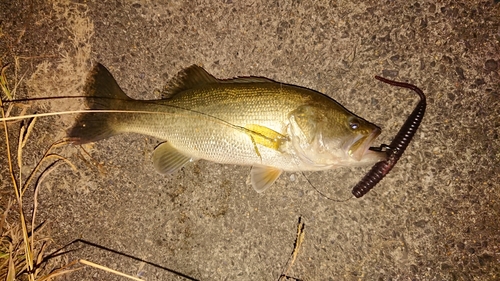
47	98
322	194
152	102
294	160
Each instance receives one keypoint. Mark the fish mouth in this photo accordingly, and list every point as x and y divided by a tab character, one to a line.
360	149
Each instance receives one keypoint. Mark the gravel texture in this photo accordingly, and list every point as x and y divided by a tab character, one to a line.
434	217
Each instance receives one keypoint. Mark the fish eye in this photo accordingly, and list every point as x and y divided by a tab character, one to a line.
353	124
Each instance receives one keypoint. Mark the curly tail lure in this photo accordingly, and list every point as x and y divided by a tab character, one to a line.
397	146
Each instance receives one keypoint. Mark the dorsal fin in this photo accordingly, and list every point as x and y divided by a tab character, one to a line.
248	79
196	76
188	78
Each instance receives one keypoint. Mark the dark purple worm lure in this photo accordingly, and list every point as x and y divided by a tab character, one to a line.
397	146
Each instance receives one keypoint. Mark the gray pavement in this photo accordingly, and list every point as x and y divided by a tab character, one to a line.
434	217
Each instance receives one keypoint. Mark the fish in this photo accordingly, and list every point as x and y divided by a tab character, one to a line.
251	121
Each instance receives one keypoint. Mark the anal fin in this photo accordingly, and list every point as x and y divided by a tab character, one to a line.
263	177
167	159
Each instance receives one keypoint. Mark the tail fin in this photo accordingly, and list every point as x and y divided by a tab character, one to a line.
103	93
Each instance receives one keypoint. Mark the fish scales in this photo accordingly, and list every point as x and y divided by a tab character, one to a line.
252	121
212	113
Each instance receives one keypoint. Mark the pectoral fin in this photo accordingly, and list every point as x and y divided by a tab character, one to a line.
265	136
167	159
263	177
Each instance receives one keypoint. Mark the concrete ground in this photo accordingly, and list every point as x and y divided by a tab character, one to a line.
434	217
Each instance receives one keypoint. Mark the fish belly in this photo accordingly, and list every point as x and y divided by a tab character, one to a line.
221	138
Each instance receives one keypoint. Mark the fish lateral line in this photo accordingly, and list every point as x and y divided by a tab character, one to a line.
153	102
262	138
279	127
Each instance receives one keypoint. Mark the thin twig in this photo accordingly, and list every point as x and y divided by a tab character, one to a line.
46	157
35	197
60	271
109	270
298	242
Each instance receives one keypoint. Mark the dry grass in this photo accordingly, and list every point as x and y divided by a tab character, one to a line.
22	247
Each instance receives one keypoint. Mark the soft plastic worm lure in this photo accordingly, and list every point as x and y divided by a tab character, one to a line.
397	146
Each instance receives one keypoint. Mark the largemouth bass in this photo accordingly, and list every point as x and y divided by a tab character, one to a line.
254	121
